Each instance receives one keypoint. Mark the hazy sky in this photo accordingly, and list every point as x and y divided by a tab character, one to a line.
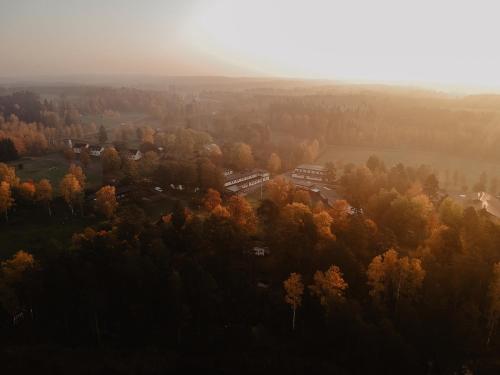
418	41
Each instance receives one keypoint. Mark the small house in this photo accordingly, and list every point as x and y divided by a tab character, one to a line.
96	150
260	251
134	154
79	147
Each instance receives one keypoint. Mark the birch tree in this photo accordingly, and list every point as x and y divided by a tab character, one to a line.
6	200
294	289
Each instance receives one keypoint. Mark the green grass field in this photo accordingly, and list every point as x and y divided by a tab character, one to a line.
31	229
54	167
440	163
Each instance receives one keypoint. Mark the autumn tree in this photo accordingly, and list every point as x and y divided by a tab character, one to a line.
331	172
110	160
274	163
242	213
149	163
85	157
77	171
357	185
6	200
408	218
302	196
323	222
279	191
241	156
103	135
374	163
43	193
209	176
294	289
329	287
106	202
391	278
129	168
12	274
431	186
211	199
451	213
27	191
294	234
220	212
8	174
71	190
183	143
148	135
340	212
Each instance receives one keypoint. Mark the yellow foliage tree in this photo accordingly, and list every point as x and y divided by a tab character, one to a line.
302	196
110	160
241	156
220	212
27	191
274	163
329	287
391	277
6	200
242	213
71	191
211	199
279	190
8	174
323	222
12	273
294	289
106	202
77	171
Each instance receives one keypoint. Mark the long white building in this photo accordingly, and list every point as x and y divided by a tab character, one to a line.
236	182
310	172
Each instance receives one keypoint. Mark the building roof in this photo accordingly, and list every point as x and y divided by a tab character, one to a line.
490	203
312	167
236	176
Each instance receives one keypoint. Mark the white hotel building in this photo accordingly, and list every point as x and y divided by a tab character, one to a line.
310	172
238	182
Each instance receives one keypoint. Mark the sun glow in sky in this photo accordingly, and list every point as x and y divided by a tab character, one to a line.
439	41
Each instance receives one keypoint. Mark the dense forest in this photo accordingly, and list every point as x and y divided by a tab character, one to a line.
406	283
395	277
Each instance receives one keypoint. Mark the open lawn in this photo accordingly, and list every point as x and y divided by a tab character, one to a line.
54	167
32	229
439	162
